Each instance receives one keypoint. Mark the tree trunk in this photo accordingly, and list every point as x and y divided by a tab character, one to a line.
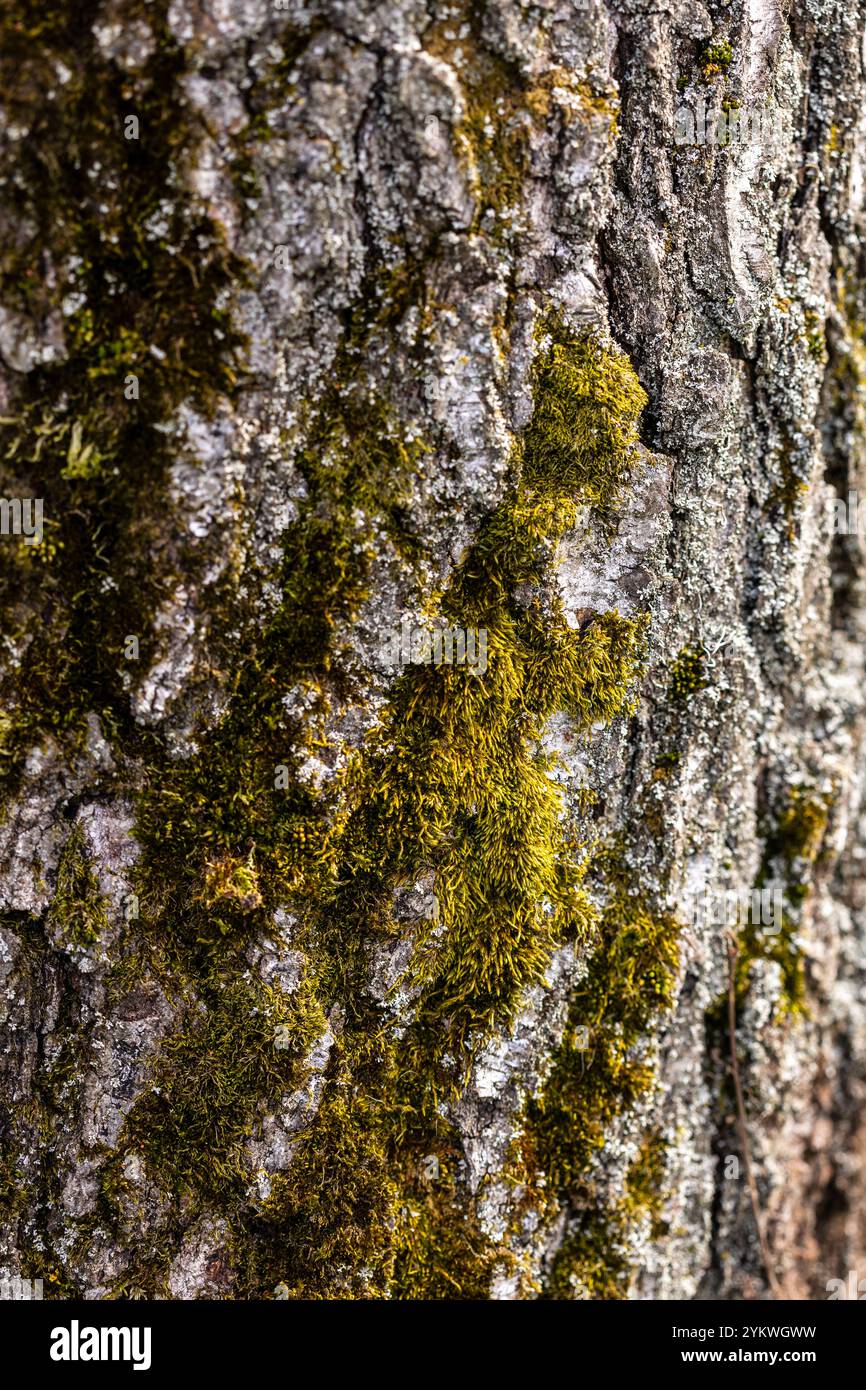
433	654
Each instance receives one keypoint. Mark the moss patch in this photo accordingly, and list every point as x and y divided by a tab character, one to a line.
240	1049
503	111
594	1260
792	849
688	674
600	1069
137	281
716	59
451	782
77	913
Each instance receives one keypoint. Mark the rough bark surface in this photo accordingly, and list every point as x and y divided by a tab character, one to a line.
333	964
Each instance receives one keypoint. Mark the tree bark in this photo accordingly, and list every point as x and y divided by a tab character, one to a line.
432	670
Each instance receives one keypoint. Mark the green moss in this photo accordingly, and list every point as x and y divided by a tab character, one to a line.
783	947
77	913
233	881
792	849
667	763
688	674
496	133
793	464
14	1188
799	834
225	840
242	1046
451	782
599	1071
141	281
441	1250
727	125
594	1261
327	1229
583	432
716	59
224	843
357	1215
503	109
816	339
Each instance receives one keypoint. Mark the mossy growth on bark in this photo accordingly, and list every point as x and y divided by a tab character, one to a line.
450	782
502	110
716	59
602	1070
239	1051
77	914
792	849
688	673
131	285
594	1260
137	282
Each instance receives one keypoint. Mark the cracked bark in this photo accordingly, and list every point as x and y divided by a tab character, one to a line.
441	181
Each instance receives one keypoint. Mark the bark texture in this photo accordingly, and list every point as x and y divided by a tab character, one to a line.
337	961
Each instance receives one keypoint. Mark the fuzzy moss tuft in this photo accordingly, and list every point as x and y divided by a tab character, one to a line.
234	881
582	435
688	674
242	1046
77	913
716	59
327	1229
